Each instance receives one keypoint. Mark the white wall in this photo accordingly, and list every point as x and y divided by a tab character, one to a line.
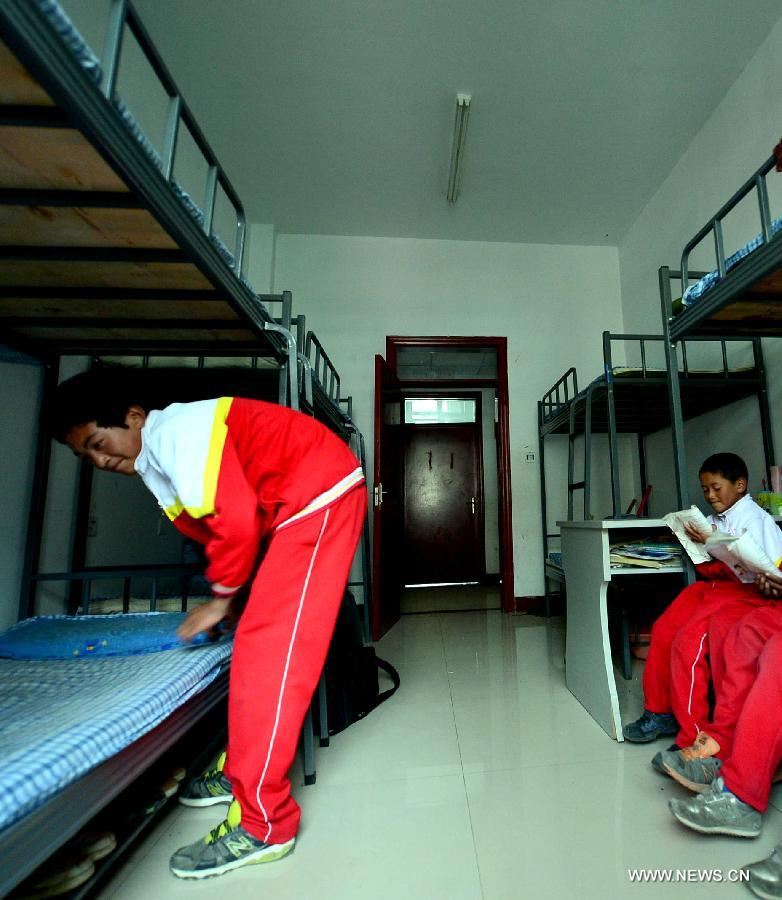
729	148
552	302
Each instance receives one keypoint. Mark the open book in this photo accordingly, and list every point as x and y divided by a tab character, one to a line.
741	553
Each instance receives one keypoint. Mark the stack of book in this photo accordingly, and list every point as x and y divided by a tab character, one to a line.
646	554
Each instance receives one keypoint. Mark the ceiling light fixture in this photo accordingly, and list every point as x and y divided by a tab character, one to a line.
457	148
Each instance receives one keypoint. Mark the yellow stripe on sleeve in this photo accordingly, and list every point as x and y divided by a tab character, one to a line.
213	459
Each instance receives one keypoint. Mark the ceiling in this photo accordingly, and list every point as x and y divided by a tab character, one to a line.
336	117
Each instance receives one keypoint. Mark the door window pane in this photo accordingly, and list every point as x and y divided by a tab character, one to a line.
438	411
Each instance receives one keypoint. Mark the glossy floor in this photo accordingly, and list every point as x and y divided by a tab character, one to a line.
482	778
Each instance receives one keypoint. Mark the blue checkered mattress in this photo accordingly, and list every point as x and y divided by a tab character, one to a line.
61	718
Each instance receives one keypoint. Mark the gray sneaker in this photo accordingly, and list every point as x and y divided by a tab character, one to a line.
657	759
695	774
229	846
716	811
210	788
765	877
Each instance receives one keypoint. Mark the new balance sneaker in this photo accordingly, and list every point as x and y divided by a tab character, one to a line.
649	727
210	788
229	846
657	759
717	811
695	774
765	877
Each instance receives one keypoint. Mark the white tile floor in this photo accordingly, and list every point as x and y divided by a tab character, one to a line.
482	778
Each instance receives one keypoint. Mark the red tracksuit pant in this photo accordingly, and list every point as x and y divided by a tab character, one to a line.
279	652
697	656
697	601
750	709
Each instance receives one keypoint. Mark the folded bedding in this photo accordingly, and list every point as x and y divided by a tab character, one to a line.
694	291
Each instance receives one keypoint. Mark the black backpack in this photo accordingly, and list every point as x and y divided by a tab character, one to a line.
352	685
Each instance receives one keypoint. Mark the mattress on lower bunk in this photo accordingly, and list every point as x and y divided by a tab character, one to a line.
61	718
694	291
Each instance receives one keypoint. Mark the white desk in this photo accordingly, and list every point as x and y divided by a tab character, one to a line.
589	670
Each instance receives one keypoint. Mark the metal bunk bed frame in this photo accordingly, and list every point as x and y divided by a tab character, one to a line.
243	326
601	408
747	300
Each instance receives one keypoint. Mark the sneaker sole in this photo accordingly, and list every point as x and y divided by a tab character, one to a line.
648	738
714	829
693	786
205	801
267	854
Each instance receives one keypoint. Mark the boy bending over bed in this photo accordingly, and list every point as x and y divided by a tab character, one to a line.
241	477
677	671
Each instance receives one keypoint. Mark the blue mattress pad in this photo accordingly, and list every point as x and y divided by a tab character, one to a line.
73	637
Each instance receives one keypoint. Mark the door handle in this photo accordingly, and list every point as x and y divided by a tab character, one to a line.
472	505
379	493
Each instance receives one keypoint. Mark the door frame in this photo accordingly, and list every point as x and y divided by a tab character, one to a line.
500	384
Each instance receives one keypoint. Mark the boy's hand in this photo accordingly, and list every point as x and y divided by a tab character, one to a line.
698	536
769	585
204	618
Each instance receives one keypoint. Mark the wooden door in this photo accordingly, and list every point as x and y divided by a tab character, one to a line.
443	504
387	502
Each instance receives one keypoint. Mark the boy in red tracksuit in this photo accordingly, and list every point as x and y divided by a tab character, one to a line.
242	477
676	674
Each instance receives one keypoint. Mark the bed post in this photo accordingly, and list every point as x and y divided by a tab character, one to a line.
543	512
674	395
43	454
588	454
613	446
765	414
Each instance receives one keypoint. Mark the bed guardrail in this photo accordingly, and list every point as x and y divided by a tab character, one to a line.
610	338
90	574
757	183
558	396
324	371
122	16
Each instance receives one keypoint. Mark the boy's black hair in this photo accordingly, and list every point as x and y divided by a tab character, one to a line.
102	395
729	465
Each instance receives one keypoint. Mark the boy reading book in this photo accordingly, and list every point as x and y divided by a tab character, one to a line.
678	652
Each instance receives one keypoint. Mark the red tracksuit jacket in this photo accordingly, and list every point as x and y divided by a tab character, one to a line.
230	471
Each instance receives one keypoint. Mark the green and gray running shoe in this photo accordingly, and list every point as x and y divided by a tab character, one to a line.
226	847
210	788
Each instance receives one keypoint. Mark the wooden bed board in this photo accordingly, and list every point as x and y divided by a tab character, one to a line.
51	273
17	85
51	226
59	158
151	309
94	332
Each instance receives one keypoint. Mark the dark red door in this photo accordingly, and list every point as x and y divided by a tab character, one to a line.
387	502
443	521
